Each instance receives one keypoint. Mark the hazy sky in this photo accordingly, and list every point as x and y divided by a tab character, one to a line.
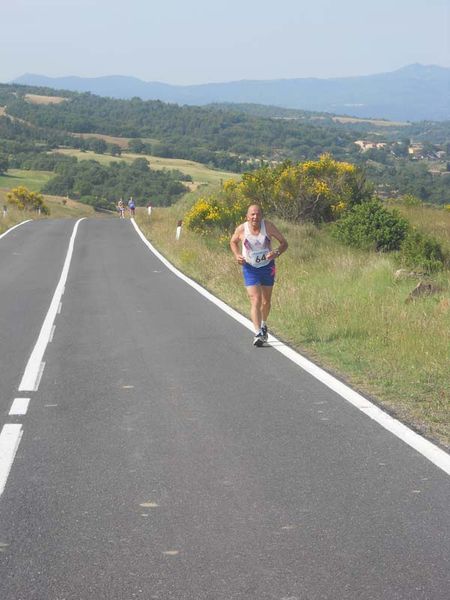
201	41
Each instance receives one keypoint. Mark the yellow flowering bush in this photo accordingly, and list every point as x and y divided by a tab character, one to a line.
318	190
202	215
314	191
23	199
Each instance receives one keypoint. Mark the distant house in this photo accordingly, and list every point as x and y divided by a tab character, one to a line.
416	150
369	145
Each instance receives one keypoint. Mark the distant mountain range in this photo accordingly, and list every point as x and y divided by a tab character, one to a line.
413	93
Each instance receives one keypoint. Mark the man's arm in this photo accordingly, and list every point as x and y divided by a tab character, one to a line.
275	233
235	245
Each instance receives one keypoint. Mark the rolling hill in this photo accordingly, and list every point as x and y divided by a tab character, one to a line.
413	93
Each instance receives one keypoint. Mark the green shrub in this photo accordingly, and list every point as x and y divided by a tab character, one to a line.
421	252
371	226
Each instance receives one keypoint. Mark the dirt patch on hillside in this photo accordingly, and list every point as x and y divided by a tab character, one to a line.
37	99
376	122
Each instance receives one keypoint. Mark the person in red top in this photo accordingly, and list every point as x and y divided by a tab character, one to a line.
251	244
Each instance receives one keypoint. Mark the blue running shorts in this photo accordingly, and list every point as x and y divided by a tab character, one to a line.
259	276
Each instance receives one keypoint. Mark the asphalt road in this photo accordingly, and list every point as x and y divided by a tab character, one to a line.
164	457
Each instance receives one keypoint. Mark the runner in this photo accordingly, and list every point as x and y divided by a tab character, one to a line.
258	265
121	209
131	206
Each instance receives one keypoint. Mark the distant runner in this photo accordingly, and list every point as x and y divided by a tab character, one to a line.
131	206
251	245
121	209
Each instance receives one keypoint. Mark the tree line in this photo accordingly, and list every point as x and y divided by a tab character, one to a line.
236	138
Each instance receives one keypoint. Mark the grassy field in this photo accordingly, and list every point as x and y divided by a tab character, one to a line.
201	174
342	308
433	220
33	180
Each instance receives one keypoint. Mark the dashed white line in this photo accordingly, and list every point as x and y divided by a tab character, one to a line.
10	437
19	406
429	450
33	370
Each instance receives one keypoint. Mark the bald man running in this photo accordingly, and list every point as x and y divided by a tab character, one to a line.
251	244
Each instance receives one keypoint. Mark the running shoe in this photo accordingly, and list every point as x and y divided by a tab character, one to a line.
258	340
265	332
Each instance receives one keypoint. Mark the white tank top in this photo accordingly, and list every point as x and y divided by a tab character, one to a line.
256	247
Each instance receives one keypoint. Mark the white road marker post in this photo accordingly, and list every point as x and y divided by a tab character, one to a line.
179	226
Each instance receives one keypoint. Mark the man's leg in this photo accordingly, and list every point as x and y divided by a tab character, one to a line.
255	296
266	298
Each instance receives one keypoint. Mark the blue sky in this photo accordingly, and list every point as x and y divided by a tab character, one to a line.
197	41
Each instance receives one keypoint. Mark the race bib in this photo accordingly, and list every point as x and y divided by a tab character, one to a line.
258	258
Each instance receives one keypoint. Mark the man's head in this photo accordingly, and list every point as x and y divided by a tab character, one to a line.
254	214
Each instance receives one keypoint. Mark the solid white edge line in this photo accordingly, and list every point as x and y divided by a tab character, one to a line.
31	374
433	453
10	437
15	226
19	406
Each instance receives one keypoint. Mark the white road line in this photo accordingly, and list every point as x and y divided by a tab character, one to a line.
19	406
429	450
11	228
31	376
10	437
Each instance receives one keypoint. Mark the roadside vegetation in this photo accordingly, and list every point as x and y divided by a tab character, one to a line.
56	207
348	306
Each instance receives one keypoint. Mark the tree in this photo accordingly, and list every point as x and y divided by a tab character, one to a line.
4	163
98	145
136	146
115	150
